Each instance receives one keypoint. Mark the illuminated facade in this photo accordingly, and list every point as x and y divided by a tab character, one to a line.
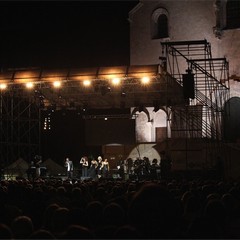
157	25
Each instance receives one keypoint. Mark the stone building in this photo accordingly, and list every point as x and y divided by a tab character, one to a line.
154	24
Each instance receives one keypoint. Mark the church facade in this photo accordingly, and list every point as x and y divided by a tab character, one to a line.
155	23
216	21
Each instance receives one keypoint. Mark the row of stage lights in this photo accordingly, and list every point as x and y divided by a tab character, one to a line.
86	83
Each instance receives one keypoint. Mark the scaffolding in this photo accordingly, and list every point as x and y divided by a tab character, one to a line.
202	114
19	126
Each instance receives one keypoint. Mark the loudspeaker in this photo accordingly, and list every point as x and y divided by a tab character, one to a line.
188	85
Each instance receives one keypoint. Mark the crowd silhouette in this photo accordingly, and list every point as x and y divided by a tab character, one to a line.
119	209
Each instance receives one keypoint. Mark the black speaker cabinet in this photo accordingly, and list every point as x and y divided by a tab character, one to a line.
188	85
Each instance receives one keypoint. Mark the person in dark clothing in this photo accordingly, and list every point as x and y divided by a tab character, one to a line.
93	169
84	162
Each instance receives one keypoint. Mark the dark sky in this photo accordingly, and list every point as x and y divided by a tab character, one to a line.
58	34
64	34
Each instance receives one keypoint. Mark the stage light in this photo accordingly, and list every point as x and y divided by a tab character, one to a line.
29	85
3	86
57	84
47	123
145	80
86	83
116	81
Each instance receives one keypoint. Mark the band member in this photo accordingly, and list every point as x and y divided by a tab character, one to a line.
154	163
69	166
146	166
99	168
137	166
93	169
155	169
129	165
84	162
105	168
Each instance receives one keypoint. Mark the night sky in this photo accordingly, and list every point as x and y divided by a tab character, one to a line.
59	34
64	34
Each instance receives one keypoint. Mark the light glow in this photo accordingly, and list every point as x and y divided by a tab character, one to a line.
116	81
86	83
3	86
29	85
57	84
145	80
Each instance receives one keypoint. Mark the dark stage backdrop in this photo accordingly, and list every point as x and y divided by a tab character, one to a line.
66	138
101	132
72	136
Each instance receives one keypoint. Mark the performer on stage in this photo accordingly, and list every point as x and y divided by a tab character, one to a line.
121	168
129	166
37	161
69	166
93	169
84	162
105	168
99	168
155	169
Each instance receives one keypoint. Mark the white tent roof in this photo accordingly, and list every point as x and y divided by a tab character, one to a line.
53	168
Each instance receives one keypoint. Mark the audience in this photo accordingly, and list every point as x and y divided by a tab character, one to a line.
119	209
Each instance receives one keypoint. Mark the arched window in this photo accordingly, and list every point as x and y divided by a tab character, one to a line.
233	14
160	24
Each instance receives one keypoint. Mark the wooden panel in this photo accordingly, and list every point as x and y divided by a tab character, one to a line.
161	134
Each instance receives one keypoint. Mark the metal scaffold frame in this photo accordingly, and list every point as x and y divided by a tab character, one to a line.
211	80
201	116
19	127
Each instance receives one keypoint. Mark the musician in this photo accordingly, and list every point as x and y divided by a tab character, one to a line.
137	166
69	166
84	162
154	163
129	165
155	169
105	168
93	169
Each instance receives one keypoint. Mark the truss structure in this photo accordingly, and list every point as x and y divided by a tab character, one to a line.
200	118
205	110
100	94
21	108
19	128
